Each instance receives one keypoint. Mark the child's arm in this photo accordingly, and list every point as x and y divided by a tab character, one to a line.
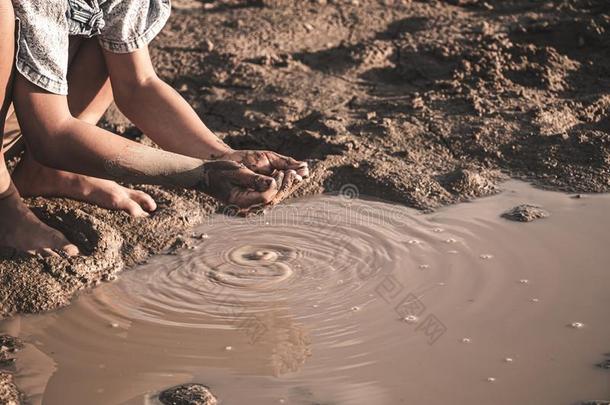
164	116
60	141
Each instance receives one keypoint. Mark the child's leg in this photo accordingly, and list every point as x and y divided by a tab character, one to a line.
20	230
89	97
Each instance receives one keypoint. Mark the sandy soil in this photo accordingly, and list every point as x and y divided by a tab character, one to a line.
422	103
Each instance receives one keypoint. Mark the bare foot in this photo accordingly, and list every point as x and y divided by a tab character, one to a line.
33	180
22	232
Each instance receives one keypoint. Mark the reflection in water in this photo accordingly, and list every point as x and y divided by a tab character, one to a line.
334	301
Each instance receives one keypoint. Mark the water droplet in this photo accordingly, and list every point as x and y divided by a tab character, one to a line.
508	359
465	340
424	266
486	256
410	319
577	325
491	379
228	348
524	281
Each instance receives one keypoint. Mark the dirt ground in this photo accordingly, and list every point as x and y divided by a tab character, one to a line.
424	103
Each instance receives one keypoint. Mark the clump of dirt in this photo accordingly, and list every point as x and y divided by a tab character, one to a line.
525	213
8	347
9	394
470	184
188	394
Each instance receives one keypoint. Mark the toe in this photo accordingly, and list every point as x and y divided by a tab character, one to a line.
146	201
134	209
47	252
70	250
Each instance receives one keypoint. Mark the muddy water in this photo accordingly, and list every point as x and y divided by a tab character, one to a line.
334	301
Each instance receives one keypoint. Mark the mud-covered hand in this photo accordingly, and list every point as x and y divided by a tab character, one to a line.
233	183
266	162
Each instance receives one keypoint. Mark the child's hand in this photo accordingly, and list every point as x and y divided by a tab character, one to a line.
266	162
233	183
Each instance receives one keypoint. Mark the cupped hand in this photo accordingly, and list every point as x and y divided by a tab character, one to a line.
233	183
266	162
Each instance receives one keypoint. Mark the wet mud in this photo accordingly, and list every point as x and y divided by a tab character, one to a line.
421	103
332	300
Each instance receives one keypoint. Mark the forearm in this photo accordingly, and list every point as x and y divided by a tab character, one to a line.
83	148
165	117
58	140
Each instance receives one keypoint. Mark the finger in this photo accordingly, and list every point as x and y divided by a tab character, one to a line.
247	198
246	178
146	201
278	175
282	162
303	170
290	179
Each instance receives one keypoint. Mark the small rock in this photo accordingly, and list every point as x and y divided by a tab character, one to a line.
208	45
188	394
577	325
525	213
8	346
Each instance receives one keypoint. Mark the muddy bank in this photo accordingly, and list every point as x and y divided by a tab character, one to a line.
421	103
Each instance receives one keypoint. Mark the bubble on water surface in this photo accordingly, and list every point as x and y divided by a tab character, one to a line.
410	319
